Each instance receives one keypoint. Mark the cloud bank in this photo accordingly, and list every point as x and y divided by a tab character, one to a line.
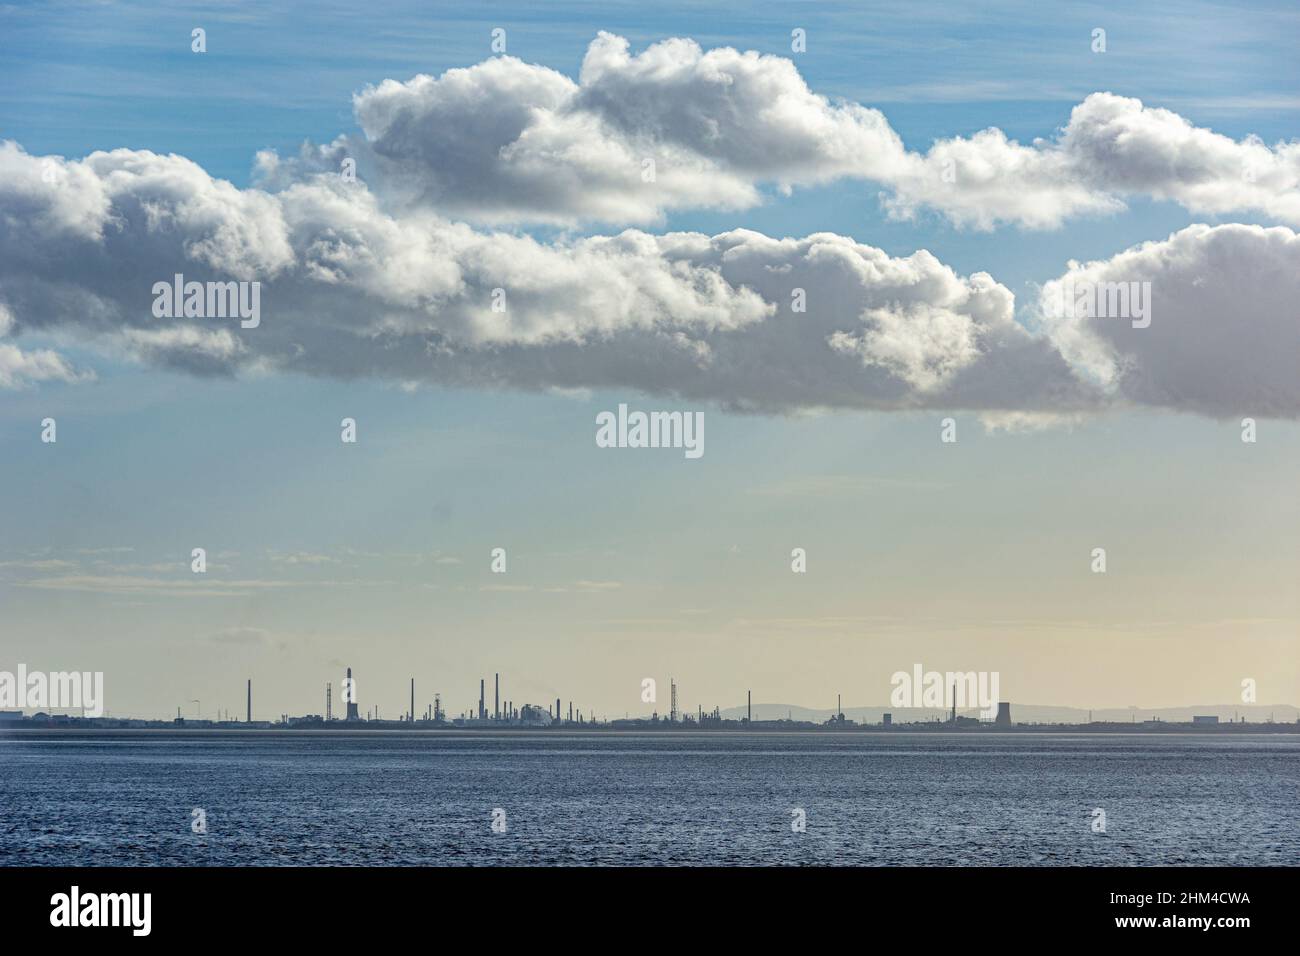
401	275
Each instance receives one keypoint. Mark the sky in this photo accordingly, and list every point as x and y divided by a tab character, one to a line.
928	177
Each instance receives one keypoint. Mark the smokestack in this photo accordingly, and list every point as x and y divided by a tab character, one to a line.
482	699
350	698
250	701
749	706
412	700
557	710
496	702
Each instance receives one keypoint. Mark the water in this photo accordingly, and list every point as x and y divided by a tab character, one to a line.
276	798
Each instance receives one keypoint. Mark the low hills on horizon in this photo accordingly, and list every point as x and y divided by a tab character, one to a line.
1030	713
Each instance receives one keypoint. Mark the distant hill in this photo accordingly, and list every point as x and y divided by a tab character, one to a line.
1030	713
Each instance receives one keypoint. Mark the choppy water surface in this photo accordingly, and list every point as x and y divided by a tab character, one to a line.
411	798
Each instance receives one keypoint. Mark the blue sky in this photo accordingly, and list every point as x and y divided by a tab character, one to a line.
628	565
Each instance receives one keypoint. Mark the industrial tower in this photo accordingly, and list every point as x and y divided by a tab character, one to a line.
350	696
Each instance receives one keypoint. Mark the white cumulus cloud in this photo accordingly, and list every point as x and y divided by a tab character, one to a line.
507	141
1224	332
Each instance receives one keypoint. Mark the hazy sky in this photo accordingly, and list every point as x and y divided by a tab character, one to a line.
822	429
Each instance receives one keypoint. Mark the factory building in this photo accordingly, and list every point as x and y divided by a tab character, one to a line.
534	715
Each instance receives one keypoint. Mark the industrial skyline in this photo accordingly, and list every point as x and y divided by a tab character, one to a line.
509	712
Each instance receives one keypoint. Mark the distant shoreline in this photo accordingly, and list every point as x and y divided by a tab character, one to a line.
768	728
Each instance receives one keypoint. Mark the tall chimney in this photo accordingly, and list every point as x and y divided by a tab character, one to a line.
250	701
412	700
496	701
749	706
482	697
